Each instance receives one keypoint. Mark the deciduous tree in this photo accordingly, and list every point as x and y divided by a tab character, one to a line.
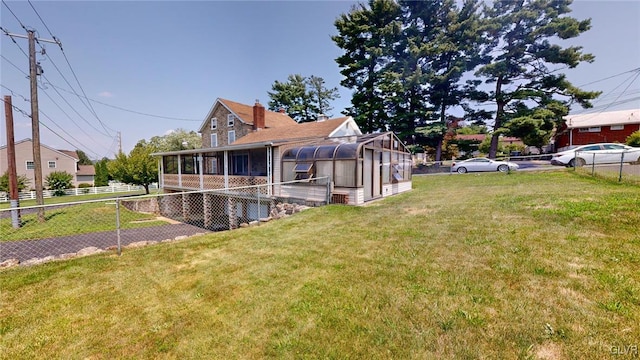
138	168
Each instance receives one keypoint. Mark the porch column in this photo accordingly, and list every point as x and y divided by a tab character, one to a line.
160	173
269	171
200	171
179	170
226	169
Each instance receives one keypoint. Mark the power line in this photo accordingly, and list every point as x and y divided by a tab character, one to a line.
6	32
14	65
611	77
48	117
131	111
40	17
14	15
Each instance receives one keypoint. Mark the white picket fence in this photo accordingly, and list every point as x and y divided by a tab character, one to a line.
116	188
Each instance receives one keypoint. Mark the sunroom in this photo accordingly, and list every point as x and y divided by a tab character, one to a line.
371	167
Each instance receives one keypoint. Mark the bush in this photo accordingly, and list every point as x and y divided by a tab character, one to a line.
84	188
4	182
634	139
59	181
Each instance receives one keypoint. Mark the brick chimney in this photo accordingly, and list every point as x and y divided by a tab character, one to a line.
258	116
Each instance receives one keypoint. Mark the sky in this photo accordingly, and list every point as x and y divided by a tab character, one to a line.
150	67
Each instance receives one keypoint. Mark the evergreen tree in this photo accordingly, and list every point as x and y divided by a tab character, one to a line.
523	68
367	35
453	49
304	99
83	159
102	173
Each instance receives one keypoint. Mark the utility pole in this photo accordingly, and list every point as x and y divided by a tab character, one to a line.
11	161
35	125
119	142
35	121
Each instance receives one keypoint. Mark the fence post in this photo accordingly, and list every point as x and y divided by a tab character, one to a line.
593	165
328	195
118	225
258	205
621	166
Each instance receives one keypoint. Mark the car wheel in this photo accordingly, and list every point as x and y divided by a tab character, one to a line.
503	168
571	163
461	170
580	162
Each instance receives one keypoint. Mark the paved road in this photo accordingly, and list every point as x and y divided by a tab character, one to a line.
27	249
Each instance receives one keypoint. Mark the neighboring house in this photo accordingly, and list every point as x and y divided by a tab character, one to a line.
612	126
249	145
51	159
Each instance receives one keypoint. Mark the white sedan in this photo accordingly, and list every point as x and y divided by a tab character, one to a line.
482	164
604	153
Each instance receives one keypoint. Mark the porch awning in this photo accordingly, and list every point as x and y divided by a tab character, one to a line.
216	149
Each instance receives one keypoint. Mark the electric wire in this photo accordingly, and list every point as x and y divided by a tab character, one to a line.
14	15
43	113
129	110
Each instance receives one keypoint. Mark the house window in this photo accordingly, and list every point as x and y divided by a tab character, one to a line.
214	140
232	136
590	129
52	164
230	118
240	164
617	127
214	123
30	165
303	171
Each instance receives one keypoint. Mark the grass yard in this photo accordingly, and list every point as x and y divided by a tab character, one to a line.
526	265
82	218
74	198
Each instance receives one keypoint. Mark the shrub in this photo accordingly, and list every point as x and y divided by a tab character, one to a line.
634	139
84	188
4	182
59	181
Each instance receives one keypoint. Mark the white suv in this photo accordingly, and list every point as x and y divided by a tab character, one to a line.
605	153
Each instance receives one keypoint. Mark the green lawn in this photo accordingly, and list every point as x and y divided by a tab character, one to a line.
74	198
525	265
81	218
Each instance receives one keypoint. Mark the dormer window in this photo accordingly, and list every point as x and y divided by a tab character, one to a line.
214	123
230	119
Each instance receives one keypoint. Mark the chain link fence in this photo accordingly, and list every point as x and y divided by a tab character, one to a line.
35	234
617	166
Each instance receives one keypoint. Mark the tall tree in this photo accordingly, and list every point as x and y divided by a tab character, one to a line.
102	173
320	95
452	50
304	99
83	158
174	140
524	64
138	168
367	35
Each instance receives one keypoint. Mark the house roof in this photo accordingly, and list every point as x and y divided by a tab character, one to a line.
321	129
73	154
244	112
86	170
68	153
620	117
